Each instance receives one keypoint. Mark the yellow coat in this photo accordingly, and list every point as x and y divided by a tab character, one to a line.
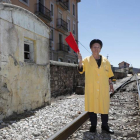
97	97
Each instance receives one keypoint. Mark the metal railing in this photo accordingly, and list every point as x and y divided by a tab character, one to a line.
63	3
45	12
62	23
62	47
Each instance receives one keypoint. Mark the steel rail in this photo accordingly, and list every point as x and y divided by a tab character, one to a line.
138	86
121	86
70	128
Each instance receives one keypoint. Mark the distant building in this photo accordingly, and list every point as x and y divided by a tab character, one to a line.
62	18
123	64
125	67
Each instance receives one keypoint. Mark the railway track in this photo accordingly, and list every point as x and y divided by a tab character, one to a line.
123	104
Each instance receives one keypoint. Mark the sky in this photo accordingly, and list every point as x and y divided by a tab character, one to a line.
116	23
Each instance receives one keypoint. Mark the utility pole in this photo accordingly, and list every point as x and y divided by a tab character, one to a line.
107	56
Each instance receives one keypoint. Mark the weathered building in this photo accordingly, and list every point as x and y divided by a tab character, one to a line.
62	18
24	61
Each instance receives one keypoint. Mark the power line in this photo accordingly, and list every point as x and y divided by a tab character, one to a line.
84	47
67	35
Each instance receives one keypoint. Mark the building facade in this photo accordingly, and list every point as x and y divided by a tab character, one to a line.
62	18
123	65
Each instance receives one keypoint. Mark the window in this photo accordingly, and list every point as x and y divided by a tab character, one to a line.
41	1
28	51
74	62
52	10
51	35
60	14
68	21
59	18
69	61
69	5
74	29
60	59
73	9
68	48
60	38
25	2
124	65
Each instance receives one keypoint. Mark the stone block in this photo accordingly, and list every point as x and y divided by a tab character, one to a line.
80	90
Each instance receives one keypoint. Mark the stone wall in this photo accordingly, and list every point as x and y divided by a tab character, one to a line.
120	75
64	78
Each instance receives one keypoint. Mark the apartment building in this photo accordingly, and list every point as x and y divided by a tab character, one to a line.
62	18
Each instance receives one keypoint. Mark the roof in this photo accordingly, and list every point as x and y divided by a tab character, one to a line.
123	62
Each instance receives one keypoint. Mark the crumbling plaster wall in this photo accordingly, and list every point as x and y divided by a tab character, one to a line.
23	85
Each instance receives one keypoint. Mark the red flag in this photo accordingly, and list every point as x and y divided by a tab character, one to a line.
72	43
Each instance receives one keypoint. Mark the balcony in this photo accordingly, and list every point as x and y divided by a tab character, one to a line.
62	25
43	12
63	4
63	47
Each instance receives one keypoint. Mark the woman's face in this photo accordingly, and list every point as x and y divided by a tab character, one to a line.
96	48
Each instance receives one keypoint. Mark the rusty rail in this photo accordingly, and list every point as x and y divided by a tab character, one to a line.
69	129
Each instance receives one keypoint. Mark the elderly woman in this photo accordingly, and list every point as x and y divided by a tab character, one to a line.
98	74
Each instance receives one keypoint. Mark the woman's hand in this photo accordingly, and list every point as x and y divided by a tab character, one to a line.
79	58
111	88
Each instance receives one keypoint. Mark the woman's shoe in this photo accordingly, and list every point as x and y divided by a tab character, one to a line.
107	129
92	128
